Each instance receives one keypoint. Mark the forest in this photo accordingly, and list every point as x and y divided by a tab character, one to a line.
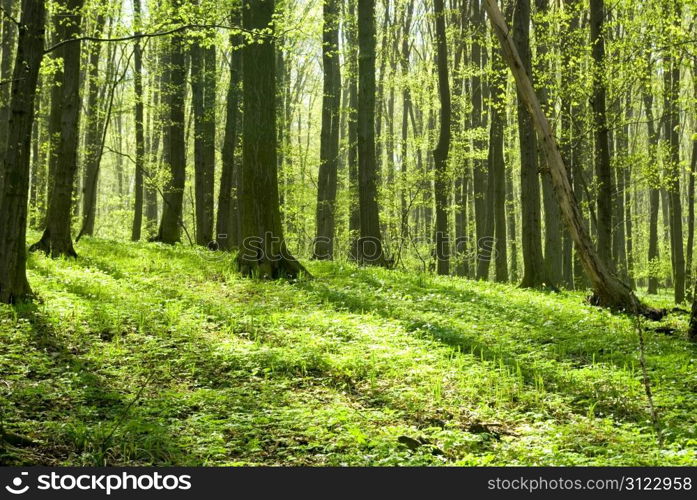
348	232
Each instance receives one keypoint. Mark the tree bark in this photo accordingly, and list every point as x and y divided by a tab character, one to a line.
56	239
329	140
228	222
440	153
370	243
9	37
603	169
203	103
175	142
533	263
497	166
263	252
671	132
14	285
140	134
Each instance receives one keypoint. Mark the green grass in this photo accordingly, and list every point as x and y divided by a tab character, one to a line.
145	354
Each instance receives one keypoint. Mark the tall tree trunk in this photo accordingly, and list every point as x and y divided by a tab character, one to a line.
94	125
654	191
440	153
370	243
329	141
406	105
9	36
533	263
671	131
203	99
14	285
175	142
691	195
553	237
497	165
56	239
264	252
228	222
609	291
603	169
352	124
140	135
479	173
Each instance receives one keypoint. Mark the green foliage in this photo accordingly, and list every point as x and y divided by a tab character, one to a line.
148	354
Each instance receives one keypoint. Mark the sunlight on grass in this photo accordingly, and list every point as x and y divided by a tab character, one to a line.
147	354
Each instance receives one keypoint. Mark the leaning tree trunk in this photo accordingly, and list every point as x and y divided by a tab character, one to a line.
56	240
370	243
329	136
263	252
174	155
140	134
13	197
440	153
609	291
227	225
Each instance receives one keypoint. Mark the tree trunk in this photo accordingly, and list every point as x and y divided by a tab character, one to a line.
329	140
533	263
691	195
479	174
228	222
497	165
140	135
203	104
370	243
440	153
609	291
264	252
14	286
671	132
352	124
175	142
56	239
603	169
9	36
654	192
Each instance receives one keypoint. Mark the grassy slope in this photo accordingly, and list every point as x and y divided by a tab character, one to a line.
140	354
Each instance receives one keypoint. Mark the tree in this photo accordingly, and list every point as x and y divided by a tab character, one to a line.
202	55
227	223
95	123
534	270
175	141
9	35
56	239
140	134
608	290
440	153
14	285
329	142
263	252
671	134
497	166
370	242
603	169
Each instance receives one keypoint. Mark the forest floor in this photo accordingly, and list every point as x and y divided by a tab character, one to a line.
145	354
